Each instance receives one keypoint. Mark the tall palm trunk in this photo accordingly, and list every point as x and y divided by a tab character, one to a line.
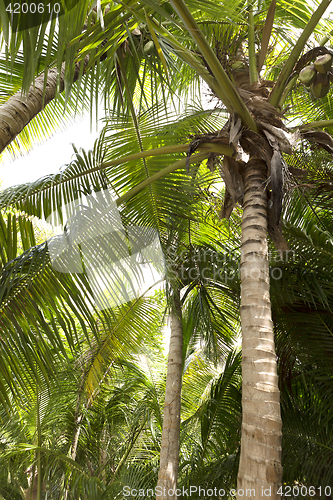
169	458
260	460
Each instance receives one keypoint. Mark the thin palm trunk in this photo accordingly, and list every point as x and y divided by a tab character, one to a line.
75	442
169	458
260	460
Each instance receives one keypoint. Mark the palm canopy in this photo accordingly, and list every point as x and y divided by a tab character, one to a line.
136	60
117	60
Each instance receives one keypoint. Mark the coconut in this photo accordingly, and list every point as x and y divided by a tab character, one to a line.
323	63
321	85
308	75
149	48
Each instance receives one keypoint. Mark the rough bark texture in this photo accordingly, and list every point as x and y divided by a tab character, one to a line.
32	492
17	112
169	459
260	460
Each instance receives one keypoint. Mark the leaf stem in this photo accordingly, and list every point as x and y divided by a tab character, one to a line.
266	34
226	91
326	38
287	89
252	49
212	147
162	173
317	124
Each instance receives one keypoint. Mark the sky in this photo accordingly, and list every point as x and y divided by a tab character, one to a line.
50	156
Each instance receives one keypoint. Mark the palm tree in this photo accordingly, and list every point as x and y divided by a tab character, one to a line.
186	43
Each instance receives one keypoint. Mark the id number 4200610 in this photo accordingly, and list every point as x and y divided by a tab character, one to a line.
32	8
304	491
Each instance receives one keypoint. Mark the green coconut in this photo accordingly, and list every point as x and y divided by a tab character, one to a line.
321	85
308	75
149	48
323	63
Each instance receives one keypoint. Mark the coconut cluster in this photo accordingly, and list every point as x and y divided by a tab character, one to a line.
318	75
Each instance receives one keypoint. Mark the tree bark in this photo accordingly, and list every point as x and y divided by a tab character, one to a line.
260	460
20	109
169	458
31	493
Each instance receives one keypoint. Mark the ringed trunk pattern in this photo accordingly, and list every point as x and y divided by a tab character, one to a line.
260	460
169	458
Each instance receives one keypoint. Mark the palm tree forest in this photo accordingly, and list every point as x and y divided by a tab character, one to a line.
166	298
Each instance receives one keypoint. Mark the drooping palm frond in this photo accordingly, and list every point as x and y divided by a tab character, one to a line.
307	424
305	362
133	327
34	276
44	310
37	309
107	426
211	319
105	168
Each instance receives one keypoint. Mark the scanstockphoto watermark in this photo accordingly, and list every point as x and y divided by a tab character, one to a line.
121	260
185	492
224	273
192	491
118	258
209	264
285	491
202	255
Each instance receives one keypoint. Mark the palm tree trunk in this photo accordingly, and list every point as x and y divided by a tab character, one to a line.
169	458
20	109
75	442
260	460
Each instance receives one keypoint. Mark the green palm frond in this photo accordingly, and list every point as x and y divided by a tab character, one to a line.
210	319
56	115
33	38
82	386
91	171
37	309
133	326
307	421
301	302
34	272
